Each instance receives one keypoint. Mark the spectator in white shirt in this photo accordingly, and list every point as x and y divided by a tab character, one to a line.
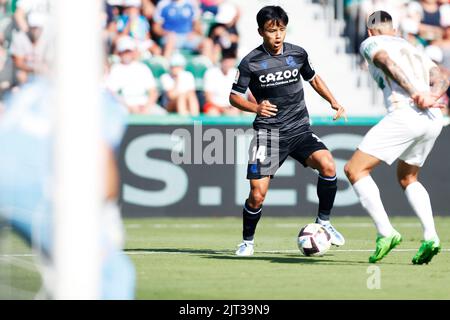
30	51
179	88
218	82
26	7
133	82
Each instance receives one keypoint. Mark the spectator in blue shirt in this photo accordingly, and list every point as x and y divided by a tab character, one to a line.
177	23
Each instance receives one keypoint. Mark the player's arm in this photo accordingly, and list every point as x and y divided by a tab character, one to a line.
438	86
382	60
264	109
439	82
321	88
237	96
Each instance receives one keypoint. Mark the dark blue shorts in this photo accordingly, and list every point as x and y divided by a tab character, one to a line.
268	151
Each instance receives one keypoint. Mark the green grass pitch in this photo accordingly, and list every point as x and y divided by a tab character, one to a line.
193	258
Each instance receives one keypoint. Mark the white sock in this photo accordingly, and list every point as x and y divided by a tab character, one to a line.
323	222
369	196
419	200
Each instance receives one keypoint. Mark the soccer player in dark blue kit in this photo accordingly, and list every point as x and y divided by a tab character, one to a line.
282	128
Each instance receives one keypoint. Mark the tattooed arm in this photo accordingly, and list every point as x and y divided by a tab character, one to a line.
438	81
423	100
438	85
393	71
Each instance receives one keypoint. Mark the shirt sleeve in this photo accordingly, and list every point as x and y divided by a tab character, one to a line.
148	78
369	48
307	70
242	79
167	82
157	16
187	82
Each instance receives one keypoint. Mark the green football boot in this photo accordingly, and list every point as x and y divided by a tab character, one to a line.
384	245
427	251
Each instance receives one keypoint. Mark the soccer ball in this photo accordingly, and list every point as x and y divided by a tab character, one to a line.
313	240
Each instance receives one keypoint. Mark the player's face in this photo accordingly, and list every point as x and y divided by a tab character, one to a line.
273	34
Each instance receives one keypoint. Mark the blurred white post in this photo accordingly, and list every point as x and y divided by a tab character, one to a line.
78	186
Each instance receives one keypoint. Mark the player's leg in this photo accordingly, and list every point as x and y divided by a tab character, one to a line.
408	169
310	151
419	200
251	214
417	197
323	161
358	170
266	155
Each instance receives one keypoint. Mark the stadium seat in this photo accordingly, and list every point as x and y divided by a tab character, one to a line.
158	66
207	21
198	65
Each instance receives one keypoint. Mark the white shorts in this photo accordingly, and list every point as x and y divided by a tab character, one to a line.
405	134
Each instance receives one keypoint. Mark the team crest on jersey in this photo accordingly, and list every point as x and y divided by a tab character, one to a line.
290	61
264	65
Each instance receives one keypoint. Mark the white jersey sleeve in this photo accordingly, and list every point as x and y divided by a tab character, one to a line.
370	47
413	62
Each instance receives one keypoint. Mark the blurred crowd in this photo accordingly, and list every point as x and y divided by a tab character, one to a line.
180	56
166	56
424	23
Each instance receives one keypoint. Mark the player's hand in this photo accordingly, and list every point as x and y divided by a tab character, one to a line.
425	100
340	112
266	109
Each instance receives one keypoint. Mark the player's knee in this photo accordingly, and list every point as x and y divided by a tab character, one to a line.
350	172
405	181
256	198
328	168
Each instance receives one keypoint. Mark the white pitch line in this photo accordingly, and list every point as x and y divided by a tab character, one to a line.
17	255
196	251
276	225
256	251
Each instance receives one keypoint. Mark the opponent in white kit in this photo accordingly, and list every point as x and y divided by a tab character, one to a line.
412	85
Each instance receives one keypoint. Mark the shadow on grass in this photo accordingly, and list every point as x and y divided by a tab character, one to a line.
284	258
174	250
289	259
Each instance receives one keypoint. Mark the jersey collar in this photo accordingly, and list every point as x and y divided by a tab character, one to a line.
282	51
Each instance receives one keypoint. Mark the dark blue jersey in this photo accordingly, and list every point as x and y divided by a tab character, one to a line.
277	79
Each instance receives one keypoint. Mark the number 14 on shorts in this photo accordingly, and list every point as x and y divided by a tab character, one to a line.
259	153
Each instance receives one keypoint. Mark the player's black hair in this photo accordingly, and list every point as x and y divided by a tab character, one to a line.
378	17
269	13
